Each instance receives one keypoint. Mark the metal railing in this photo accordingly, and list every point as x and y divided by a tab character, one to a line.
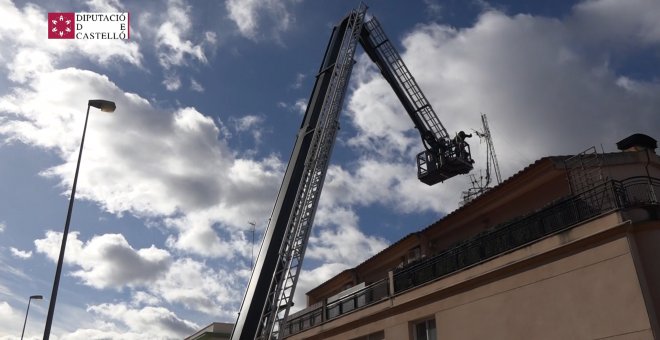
556	217
321	312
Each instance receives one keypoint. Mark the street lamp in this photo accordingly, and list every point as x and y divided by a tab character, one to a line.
36	297
105	106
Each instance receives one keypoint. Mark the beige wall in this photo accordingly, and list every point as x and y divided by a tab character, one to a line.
646	240
590	295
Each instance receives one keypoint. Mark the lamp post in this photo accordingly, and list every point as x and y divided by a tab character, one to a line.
36	297
105	106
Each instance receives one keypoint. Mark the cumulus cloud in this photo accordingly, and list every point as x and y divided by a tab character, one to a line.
158	322
310	279
8	315
3	226
196	286
143	298
107	261
633	22
182	172
253	17
344	243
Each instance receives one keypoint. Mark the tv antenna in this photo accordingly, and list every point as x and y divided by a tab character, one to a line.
481	184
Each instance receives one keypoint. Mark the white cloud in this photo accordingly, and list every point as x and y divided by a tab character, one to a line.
107	261
143	298
310	279
433	9
338	239
105	6
172	82
195	86
3	226
21	254
248	122
196	286
300	105
300	77
157	322
382	124
105	334
173	46
9	316
629	22
253	17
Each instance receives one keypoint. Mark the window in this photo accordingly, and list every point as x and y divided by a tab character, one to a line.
424	330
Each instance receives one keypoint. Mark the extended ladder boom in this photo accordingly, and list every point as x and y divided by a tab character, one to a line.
275	274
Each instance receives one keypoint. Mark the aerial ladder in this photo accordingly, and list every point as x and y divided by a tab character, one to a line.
269	294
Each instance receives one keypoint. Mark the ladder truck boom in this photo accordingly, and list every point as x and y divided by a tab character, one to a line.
443	157
269	294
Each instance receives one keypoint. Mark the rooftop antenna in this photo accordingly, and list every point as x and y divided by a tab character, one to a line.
254	225
481	185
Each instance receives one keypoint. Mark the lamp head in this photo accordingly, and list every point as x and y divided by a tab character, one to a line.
36	297
104	105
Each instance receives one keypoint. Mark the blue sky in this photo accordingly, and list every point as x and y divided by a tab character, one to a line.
209	99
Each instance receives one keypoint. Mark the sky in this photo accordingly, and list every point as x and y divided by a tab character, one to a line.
210	95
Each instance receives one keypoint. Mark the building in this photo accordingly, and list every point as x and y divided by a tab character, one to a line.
214	331
567	248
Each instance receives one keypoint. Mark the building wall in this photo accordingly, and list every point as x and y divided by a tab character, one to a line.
579	284
646	241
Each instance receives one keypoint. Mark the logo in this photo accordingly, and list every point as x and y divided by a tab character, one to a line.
89	26
61	25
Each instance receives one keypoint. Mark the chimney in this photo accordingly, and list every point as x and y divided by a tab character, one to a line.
637	142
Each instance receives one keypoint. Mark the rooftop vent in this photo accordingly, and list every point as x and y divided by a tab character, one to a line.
637	142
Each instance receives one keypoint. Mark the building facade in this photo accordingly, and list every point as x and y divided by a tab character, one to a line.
568	248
